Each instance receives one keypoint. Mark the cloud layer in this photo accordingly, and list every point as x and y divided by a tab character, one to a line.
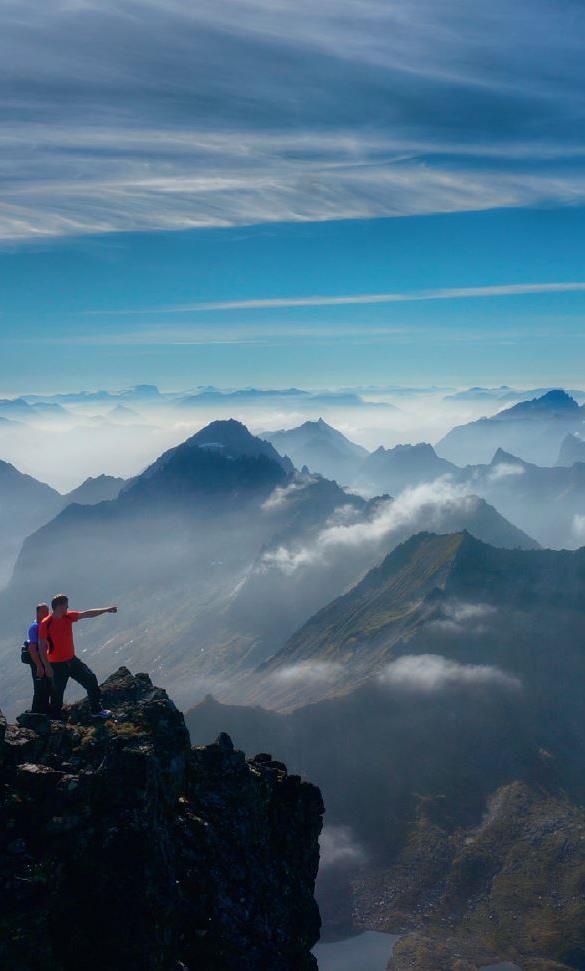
339	847
422	507
431	672
152	115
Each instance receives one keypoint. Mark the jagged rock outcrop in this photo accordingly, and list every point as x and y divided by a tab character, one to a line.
123	847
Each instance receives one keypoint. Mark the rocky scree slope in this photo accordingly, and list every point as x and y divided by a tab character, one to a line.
122	845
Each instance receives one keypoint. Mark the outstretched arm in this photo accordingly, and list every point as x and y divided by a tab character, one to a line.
97	612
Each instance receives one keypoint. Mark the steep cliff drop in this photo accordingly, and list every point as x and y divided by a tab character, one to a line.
123	847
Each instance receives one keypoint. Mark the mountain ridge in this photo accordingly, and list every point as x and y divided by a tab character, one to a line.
532	429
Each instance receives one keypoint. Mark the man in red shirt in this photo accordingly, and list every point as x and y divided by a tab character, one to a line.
57	651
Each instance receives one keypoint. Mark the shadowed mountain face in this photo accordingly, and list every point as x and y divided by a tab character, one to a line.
432	595
228	440
25	504
447	735
320	448
101	488
532	429
332	540
572	450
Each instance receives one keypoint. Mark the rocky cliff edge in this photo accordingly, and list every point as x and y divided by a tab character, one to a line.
123	847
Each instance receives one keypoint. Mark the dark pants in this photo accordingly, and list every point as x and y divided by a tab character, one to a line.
76	669
41	689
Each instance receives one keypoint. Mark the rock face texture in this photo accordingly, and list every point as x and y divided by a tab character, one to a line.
507	890
123	847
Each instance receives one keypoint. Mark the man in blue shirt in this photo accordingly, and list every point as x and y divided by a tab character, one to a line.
41	680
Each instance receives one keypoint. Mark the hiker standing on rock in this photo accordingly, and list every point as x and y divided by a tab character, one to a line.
40	679
57	652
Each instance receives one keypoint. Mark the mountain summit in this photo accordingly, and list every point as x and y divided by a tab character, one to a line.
531	429
394	469
224	457
321	448
552	404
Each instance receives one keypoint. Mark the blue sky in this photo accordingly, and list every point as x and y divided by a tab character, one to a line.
319	193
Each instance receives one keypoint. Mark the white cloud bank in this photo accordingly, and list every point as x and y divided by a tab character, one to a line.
339	847
432	672
429	501
579	527
307	673
504	470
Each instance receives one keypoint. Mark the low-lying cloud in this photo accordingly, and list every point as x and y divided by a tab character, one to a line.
504	470
339	847
579	527
430	502
433	672
282	495
470	616
307	673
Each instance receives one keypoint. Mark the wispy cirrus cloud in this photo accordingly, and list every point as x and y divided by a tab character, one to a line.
275	303
149	115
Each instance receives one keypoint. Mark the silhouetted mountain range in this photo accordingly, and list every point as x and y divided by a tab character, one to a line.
505	393
21	409
532	429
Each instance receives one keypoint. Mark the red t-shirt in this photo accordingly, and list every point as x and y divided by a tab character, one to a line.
58	632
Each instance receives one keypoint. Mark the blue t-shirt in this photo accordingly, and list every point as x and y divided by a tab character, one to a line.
33	633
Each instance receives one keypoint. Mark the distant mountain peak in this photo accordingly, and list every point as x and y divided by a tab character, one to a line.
214	459
321	447
234	439
403	466
99	488
555	402
572	450
501	457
